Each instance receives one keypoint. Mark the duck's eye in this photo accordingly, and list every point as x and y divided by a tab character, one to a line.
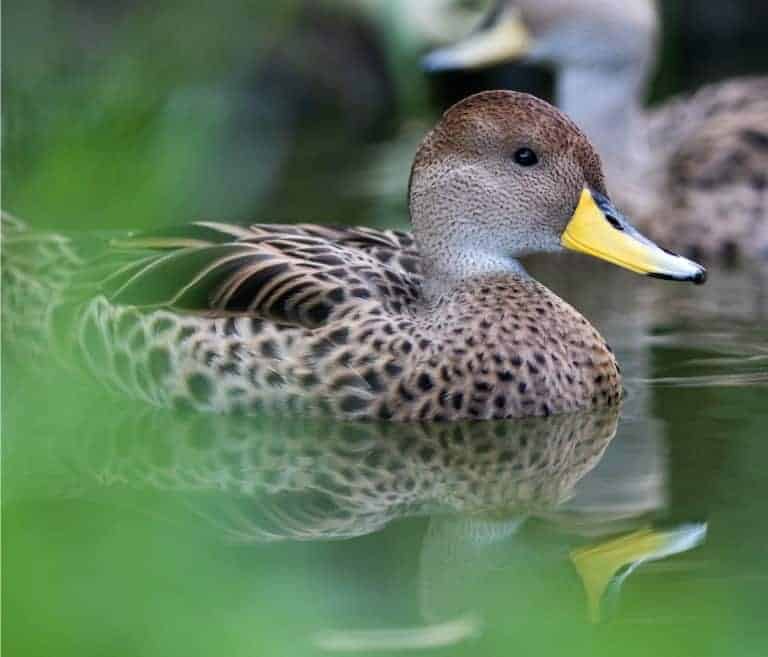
525	157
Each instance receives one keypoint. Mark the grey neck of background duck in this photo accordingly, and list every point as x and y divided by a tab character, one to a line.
606	102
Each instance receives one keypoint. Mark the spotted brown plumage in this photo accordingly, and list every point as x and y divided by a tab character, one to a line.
716	186
359	323
712	184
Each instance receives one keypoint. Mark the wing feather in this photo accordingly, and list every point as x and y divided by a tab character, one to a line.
297	274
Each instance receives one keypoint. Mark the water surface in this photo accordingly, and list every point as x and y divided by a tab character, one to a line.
133	531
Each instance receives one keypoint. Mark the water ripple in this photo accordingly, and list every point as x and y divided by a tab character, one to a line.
710	381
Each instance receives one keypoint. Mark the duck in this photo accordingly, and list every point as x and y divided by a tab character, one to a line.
692	171
439	324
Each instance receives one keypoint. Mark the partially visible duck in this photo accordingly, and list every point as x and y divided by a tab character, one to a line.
693	171
441	325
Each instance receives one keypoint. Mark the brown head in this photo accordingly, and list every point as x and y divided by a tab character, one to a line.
504	174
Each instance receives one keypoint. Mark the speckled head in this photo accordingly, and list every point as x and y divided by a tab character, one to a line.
504	174
473	194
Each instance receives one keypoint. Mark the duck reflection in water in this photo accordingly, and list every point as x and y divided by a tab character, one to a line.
261	480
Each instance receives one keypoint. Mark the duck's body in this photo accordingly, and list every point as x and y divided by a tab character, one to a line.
358	339
365	324
671	165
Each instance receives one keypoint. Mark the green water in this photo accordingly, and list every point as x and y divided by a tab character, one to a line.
130	531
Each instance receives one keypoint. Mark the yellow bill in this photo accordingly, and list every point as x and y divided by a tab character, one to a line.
598	229
502	38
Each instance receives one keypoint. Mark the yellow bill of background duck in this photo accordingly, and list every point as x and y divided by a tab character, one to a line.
598	229
501	37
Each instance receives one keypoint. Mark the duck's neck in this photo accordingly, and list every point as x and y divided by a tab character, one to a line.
606	103
443	277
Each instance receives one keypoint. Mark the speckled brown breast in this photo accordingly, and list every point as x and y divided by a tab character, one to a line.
497	348
508	347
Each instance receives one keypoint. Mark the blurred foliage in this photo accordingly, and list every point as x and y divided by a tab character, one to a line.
97	127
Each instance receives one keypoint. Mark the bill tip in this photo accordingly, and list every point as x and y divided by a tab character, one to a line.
700	277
